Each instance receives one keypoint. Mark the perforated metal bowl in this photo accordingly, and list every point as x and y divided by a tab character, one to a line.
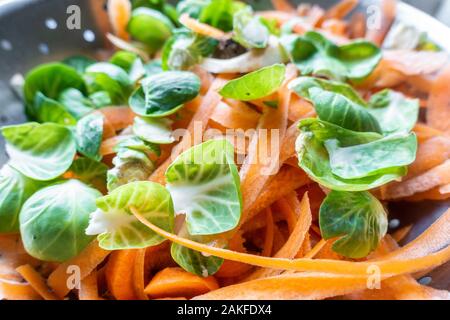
35	31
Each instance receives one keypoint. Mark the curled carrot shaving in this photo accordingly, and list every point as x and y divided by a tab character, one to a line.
89	287
268	240
12	290
430	154
36	281
438	115
119	13
119	274
108	146
175	282
401	233
118	117
283	6
387	267
86	261
139	274
201	28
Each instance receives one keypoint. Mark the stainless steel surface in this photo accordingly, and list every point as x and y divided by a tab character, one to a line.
26	40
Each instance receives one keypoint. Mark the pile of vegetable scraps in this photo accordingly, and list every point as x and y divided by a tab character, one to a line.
226	153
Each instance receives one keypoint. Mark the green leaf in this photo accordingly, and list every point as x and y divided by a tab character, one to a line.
15	189
255	85
89	135
79	63
357	218
339	110
249	30
76	103
54	219
195	262
315	54
101	82
131	63
154	130
302	86
150	27
40	151
49	110
204	184
186	49
192	7
219	13
164	93
324	131
373	158
91	172
50	79
153	67
394	112
314	160
111	70
118	229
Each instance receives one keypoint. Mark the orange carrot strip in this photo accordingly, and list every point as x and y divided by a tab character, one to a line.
36	281
108	146
87	261
315	250
413	63
388	267
425	132
201	28
268	239
288	213
435	177
239	117
378	34
89	287
200	119
12	290
139	275
119	274
437	194
295	241
119	13
430	154
358	26
232	268
283	6
401	233
341	9
119	117
438	115
175	282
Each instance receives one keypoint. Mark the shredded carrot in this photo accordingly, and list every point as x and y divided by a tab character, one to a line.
437	194
288	213
358	26
438	112
119	13
338	12
388	267
201	28
86	261
118	117
108	146
12	290
89	287
240	117
268	240
430	154
283	6
175	282
232	268
401	233
139	275
315	250
119	274
435	177
36	281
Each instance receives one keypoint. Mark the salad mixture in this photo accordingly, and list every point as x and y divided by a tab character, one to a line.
225	153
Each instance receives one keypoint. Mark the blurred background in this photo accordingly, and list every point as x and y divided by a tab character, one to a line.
438	8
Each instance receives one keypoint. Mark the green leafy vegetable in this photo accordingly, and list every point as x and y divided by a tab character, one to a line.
150	27
54	219
164	93
49	110
50	79
91	172
89	135
394	112
131	63
195	262
314	160
357	218
186	49
78	105
154	130
315	54
255	85
153	67
79	63
219	13
114	72
15	189
40	151
249	30
192	7
336	108
204	184
372	158
115	225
